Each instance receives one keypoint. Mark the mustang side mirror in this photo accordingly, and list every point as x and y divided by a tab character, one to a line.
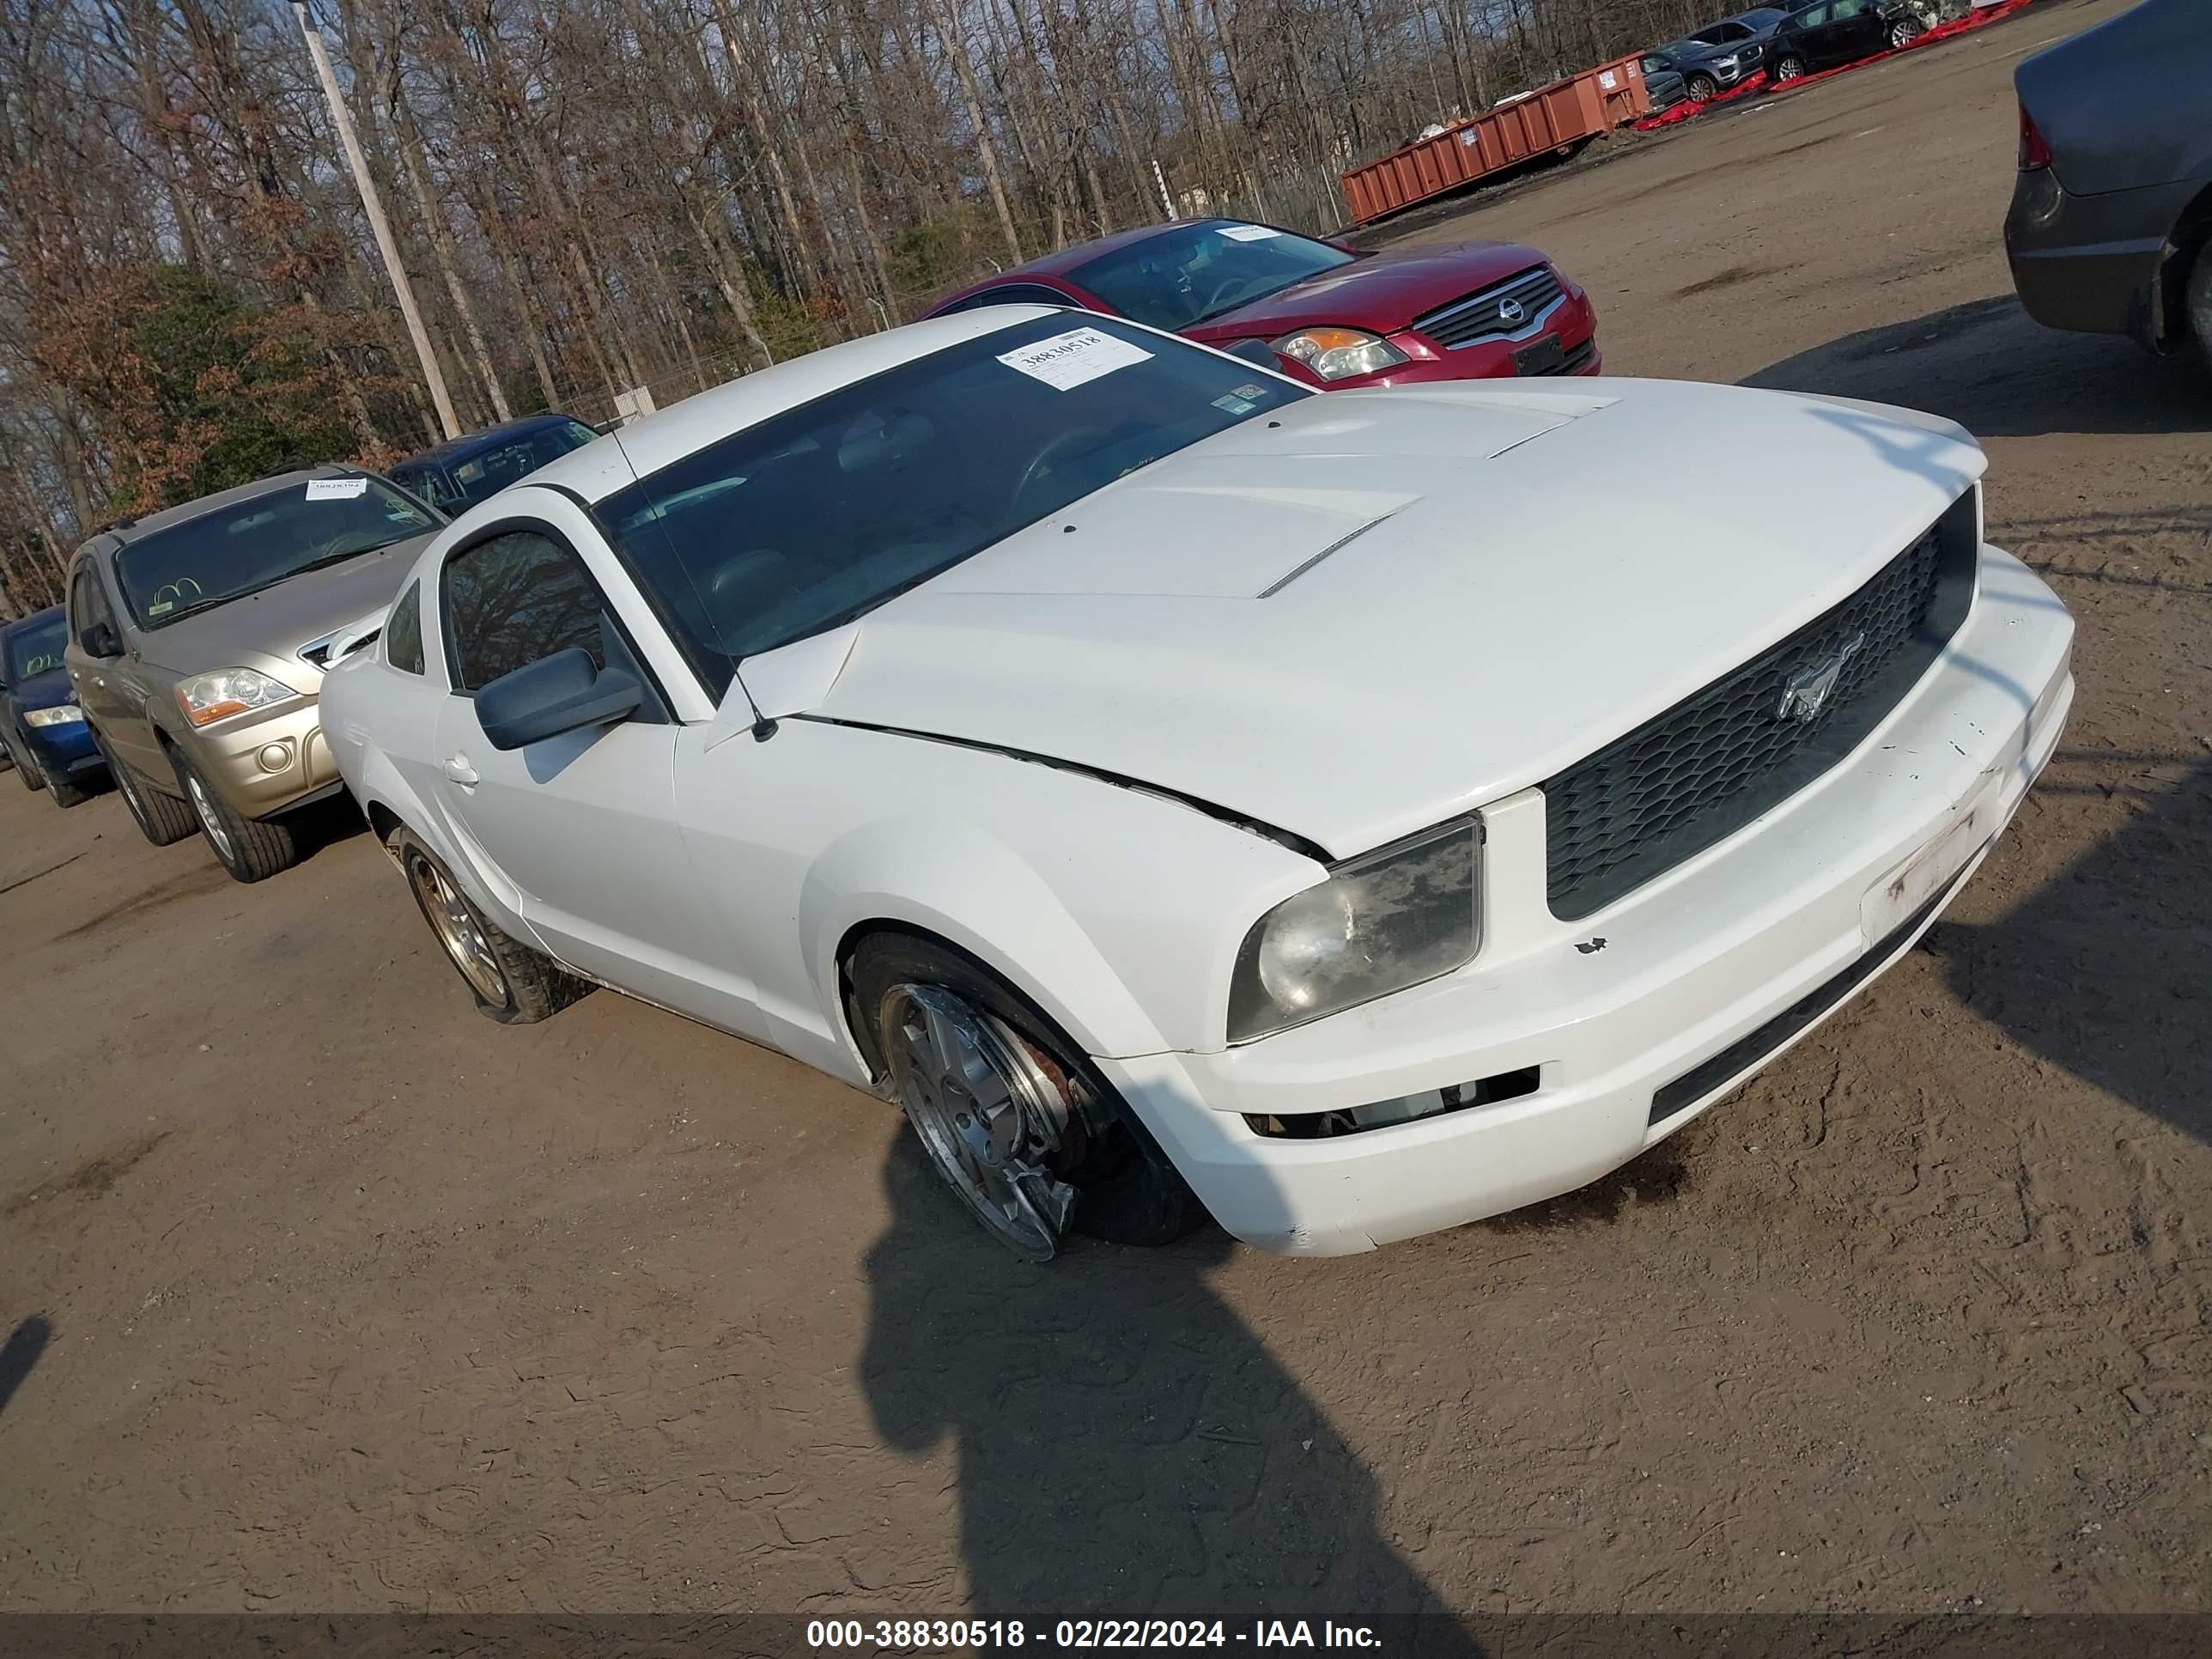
1255	351
100	641
563	692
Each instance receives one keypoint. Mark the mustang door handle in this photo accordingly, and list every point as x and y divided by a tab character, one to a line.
459	770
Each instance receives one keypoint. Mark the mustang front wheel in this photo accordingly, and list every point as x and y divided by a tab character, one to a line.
1016	1118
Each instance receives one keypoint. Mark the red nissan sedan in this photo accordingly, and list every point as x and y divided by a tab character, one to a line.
1332	315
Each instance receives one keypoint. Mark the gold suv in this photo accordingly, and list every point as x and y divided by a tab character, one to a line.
198	638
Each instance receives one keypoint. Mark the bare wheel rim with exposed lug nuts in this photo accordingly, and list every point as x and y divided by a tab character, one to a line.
457	929
204	809
989	1114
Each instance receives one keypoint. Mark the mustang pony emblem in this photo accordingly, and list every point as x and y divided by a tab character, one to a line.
1805	692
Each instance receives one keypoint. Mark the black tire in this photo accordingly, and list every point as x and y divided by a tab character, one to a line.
1788	67
527	986
67	794
1701	89
161	819
2197	307
26	766
1904	31
1127	1192
250	849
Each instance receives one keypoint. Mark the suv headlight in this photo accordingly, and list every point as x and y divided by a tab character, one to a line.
62	714
1378	924
207	698
1337	354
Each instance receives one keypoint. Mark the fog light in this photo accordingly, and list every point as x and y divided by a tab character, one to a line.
1408	1109
275	756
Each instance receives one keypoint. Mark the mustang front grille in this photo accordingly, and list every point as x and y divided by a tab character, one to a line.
1697	773
1504	308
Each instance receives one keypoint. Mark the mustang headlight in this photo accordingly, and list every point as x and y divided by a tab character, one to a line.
62	714
206	698
1337	354
1378	925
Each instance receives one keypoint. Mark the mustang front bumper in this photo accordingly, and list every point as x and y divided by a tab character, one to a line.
1637	1018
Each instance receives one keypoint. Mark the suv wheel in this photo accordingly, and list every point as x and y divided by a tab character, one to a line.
162	819
1701	89
250	849
511	982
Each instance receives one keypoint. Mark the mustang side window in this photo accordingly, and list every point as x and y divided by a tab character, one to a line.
514	599
403	634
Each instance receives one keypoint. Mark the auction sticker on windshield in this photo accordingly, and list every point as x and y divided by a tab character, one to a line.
1067	361
1249	233
334	490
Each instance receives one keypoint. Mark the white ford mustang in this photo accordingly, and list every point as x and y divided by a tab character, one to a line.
1350	815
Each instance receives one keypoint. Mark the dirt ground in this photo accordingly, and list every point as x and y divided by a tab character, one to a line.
328	1294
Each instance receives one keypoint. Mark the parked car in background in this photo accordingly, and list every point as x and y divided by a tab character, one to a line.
1177	788
1703	65
2111	217
198	638
44	729
454	477
1838	32
1330	316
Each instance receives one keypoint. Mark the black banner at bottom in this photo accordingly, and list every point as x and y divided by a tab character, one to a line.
1272	1634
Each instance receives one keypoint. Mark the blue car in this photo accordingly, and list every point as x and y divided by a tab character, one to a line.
44	729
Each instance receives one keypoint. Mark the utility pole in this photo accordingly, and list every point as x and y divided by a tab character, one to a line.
377	223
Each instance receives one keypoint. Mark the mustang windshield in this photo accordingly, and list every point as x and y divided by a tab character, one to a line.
238	549
1192	272
36	648
808	520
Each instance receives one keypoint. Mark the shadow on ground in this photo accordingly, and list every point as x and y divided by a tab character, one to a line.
1993	368
2107	970
1125	1446
20	1355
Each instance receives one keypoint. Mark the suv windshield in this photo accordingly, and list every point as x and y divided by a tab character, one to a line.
247	546
1192	272
811	519
36	648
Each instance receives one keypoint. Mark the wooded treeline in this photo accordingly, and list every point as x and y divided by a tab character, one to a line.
591	195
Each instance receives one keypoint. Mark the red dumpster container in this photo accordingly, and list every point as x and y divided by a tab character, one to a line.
1552	117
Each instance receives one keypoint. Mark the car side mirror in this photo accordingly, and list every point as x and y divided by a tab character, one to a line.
564	692
101	640
1255	351
1341	243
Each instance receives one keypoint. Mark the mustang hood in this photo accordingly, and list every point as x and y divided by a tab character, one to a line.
1396	607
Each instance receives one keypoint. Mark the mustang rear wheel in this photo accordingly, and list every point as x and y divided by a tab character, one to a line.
1015	1117
511	982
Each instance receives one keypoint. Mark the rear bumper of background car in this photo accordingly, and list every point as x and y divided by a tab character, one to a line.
2092	264
1620	1028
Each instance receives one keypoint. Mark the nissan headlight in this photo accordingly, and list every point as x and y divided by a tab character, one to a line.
1379	924
62	714
207	698
1338	354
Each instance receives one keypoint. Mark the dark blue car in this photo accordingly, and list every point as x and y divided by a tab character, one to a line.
454	477
40	721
